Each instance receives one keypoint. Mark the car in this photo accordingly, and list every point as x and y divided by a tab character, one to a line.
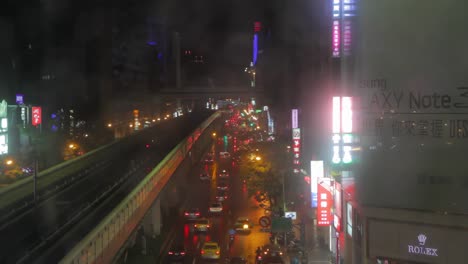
237	260
273	260
209	158
225	155
210	250
223	174
242	224
176	254
222	186
204	176
202	225
271	250
192	214
221	195
216	208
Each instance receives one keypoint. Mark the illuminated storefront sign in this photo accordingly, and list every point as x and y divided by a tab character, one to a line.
257	26
336	9
316	172
349	217
3	128
36	115
296	138
3	136
324	205
342	129
19	99
255	49
343	12
336	39
420	249
347	37
337	208
294	114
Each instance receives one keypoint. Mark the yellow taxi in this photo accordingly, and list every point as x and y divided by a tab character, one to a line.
210	250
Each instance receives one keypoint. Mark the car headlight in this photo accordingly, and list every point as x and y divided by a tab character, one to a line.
245	226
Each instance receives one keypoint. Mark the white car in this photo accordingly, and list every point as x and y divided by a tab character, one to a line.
221	196
216	208
224	155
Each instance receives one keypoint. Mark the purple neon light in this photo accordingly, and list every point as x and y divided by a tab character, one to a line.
255	49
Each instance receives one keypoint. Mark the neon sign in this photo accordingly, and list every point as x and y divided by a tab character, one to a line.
342	129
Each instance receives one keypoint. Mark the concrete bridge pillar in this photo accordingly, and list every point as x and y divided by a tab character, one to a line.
152	221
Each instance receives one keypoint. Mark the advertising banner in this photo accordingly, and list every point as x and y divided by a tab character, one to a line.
36	115
316	172
324	205
413	111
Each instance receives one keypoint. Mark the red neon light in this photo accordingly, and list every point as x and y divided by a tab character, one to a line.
323	206
257	26
36	115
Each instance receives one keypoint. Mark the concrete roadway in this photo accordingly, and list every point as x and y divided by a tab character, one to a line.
201	195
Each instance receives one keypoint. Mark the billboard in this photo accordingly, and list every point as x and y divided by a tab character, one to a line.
36	115
324	205
3	135
19	99
413	113
316	173
343	139
294	118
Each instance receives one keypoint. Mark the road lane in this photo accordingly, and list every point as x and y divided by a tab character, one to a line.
238	203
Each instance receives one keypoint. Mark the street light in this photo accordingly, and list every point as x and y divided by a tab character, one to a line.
109	125
258	158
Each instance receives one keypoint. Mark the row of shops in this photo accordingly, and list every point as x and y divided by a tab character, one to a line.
375	235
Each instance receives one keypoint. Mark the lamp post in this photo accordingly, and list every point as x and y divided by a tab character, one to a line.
36	172
284	196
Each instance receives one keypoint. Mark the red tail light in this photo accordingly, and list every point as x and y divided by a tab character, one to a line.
207	225
182	253
170	252
203	252
186	214
197	214
195	225
217	252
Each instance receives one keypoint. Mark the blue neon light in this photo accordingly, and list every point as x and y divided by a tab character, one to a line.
255	49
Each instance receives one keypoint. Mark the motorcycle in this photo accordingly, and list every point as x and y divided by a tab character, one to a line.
231	239
259	259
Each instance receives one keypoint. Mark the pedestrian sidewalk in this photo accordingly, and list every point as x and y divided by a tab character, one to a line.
316	249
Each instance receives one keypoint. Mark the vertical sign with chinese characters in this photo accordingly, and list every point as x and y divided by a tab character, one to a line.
296	138
36	115
342	130
324	204
348	12
336	39
336	30
294	117
316	172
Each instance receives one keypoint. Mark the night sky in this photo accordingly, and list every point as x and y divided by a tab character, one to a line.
220	30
